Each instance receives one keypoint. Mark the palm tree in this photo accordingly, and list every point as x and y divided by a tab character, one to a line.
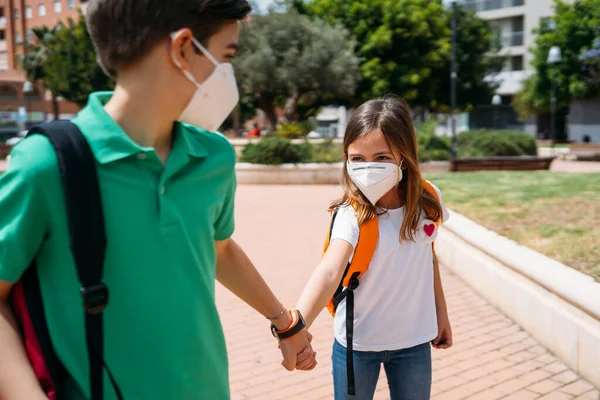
33	60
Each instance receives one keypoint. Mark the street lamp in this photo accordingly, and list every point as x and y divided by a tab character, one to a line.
496	102
554	58
27	91
452	4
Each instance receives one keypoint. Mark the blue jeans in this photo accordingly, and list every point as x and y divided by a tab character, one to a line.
408	372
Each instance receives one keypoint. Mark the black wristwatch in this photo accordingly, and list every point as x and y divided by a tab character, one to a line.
298	324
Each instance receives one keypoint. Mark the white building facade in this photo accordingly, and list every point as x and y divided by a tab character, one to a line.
514	23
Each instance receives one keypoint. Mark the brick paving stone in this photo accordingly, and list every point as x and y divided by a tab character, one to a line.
512	386
536	376
556	367
556	396
522	395
567	377
576	388
489	394
591	395
545	386
282	229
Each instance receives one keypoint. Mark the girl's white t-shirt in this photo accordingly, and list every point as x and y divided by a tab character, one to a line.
394	305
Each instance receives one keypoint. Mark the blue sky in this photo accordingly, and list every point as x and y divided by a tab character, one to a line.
263	4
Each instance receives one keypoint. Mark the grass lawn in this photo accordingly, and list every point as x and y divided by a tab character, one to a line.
557	214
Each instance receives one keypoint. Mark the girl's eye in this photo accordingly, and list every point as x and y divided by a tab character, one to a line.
382	158
356	159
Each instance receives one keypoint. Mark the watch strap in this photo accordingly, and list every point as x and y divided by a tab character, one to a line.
297	325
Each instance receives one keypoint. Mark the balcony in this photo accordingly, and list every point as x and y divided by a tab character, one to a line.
512	39
489	5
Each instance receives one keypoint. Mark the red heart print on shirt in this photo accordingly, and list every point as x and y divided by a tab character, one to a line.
429	229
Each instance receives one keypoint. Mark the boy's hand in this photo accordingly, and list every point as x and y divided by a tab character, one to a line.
298	353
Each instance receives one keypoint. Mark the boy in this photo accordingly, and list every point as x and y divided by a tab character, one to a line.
167	190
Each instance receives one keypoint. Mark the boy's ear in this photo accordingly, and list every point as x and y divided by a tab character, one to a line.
181	45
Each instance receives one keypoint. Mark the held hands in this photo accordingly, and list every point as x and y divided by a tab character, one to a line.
294	341
298	353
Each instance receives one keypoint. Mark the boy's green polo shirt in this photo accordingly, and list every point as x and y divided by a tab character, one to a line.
162	332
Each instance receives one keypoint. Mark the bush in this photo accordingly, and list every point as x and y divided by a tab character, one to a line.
276	151
327	152
480	143
293	130
273	151
431	146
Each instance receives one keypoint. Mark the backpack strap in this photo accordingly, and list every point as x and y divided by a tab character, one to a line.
429	188
365	248
87	237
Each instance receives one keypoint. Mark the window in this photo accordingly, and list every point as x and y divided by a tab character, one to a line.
28	12
57	6
3	62
42	10
547	24
29	36
71	4
517	63
17	37
16	13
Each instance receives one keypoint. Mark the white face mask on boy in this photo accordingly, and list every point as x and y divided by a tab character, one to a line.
375	179
215	99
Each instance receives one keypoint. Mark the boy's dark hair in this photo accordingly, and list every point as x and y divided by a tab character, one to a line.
123	31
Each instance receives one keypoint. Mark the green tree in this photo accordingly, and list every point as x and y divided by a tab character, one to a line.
35	56
591	63
71	69
287	59
475	61
574	29
405	48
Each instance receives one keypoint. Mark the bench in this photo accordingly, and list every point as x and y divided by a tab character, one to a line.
585	151
506	163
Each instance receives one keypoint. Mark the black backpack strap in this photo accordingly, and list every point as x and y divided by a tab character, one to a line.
87	236
348	294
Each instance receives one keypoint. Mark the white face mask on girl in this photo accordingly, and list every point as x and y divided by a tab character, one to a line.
375	179
215	99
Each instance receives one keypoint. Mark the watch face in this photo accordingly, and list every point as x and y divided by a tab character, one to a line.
274	331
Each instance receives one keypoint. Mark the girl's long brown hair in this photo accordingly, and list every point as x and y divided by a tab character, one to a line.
393	118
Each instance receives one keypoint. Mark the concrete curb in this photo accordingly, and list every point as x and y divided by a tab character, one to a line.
306	174
556	304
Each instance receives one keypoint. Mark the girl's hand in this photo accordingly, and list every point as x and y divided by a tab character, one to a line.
444	337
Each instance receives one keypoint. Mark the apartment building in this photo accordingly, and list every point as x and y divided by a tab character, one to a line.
514	23
17	19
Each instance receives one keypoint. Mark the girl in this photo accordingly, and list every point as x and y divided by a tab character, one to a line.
390	312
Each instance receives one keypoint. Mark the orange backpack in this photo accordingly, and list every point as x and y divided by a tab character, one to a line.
365	248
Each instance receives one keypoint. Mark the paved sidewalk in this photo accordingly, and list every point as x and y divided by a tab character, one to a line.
575	166
282	229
